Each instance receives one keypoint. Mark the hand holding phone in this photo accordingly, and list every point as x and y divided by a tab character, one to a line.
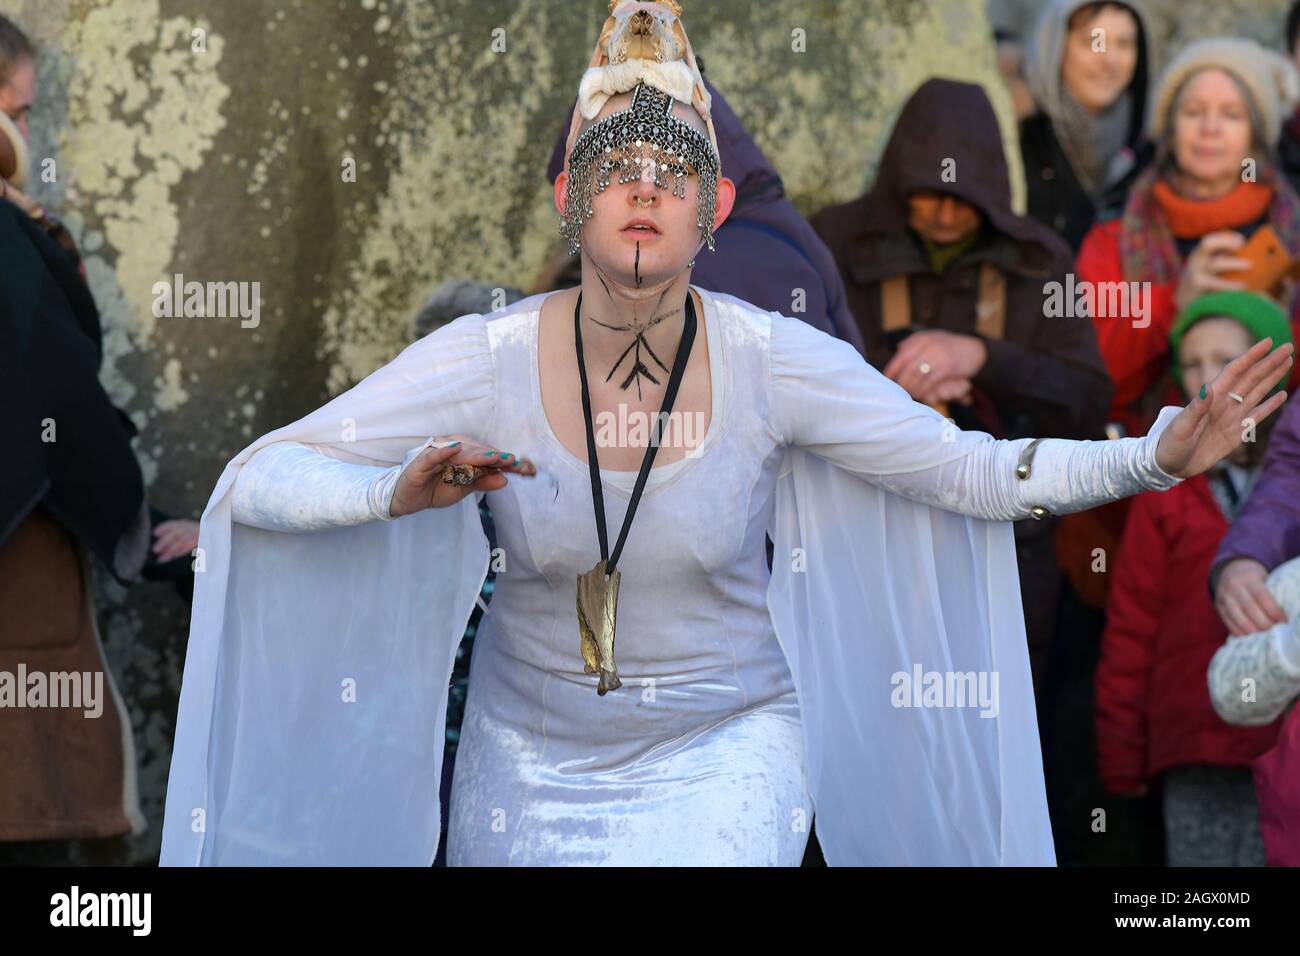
1269	263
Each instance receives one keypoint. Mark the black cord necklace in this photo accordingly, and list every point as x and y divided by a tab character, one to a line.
598	588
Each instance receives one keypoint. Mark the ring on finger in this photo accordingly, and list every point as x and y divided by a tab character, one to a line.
460	474
924	368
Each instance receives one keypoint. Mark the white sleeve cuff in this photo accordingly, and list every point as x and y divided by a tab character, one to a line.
380	493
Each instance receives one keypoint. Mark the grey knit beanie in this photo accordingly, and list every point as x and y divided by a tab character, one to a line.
1270	79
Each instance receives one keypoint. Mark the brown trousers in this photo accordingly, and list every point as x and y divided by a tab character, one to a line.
63	774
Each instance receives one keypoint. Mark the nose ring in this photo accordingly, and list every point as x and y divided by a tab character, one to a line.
643	203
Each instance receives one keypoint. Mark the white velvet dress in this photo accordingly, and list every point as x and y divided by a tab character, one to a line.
697	758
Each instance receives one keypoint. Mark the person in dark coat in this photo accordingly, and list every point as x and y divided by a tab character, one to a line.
1087	68
934	243
767	253
70	487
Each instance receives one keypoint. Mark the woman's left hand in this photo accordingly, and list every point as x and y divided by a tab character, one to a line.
1213	425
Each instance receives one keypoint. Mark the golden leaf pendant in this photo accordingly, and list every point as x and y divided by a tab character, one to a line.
597	614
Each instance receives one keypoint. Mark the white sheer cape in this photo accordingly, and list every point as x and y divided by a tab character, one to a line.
312	714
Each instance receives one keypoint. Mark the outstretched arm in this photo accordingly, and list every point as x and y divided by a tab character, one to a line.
291	486
1063	475
824	398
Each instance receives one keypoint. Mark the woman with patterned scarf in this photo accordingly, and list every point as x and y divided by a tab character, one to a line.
1216	113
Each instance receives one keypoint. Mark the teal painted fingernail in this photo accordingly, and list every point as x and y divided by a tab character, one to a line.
1202	393
453	444
503	454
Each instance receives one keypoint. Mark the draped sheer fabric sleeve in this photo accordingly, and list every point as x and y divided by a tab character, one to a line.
311	722
827	400
893	585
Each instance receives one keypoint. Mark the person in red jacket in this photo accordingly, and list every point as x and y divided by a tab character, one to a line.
1154	716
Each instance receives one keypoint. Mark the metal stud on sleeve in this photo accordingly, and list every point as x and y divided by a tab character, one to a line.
1023	470
1026	459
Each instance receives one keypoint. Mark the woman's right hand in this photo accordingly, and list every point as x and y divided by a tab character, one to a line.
421	486
1212	255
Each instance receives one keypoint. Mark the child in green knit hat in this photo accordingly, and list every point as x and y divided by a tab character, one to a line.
1213	330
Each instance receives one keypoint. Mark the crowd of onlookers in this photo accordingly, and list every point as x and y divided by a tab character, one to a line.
1162	224
1162	220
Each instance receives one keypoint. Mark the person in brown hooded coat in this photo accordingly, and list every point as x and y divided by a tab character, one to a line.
951	289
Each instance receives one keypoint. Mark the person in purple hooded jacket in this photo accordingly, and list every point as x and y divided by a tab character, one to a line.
1265	535
767	253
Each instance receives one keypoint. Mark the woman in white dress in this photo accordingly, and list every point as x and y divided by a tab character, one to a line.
315	688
